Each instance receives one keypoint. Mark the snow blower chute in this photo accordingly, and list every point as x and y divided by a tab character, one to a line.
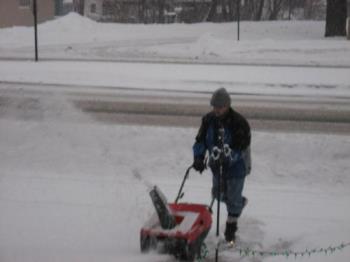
176	228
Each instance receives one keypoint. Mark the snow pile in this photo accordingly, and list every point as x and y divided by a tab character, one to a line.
71	23
209	45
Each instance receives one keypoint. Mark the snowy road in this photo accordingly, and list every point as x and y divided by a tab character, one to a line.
294	81
178	108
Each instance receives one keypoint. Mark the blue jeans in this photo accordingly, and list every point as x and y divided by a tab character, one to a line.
231	192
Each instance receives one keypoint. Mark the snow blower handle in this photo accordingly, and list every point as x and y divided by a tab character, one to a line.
181	194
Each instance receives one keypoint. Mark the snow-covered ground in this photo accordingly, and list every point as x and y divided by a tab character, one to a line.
68	190
282	42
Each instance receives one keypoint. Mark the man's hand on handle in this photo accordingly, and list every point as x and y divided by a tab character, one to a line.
199	164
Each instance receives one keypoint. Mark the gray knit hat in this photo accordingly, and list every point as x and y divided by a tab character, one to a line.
220	98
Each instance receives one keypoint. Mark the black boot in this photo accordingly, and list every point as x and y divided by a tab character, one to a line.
230	231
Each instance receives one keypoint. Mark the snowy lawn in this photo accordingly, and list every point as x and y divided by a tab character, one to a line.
278	42
68	190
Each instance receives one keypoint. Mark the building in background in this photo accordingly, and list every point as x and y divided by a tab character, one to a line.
19	12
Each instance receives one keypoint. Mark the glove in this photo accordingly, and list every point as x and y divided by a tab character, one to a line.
198	164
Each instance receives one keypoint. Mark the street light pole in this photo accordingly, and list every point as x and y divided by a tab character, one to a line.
238	17
290	10
35	14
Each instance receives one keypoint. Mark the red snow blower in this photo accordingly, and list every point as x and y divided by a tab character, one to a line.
176	228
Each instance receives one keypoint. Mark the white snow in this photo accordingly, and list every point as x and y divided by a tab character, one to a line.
283	42
73	36
72	189
69	189
237	79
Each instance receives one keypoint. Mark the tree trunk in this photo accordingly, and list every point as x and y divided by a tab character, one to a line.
161	11
275	9
230	10
212	12
258	15
224	11
336	18
141	6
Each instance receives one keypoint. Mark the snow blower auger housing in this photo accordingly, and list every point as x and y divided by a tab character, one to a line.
176	228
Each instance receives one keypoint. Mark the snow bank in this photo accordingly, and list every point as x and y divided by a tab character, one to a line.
278	42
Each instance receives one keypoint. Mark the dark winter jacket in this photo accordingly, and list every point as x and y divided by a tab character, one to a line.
237	136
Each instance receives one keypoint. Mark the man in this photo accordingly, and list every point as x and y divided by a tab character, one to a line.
236	163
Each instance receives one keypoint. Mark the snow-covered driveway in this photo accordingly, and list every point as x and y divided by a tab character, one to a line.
68	190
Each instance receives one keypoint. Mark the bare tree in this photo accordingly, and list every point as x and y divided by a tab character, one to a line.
336	18
111	11
141	10
252	9
225	12
275	7
260	8
161	7
212	11
314	9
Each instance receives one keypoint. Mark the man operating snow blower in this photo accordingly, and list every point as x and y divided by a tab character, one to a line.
225	134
